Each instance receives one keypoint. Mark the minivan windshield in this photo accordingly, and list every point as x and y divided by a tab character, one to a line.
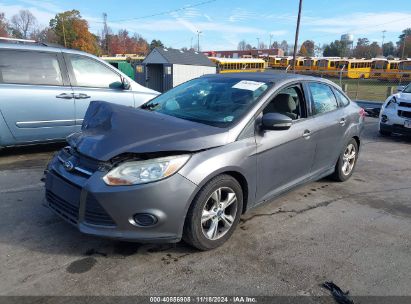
213	101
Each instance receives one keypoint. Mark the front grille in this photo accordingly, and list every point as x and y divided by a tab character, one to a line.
63	207
95	214
405	104
405	114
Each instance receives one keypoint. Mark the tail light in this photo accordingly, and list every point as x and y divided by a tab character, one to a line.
362	113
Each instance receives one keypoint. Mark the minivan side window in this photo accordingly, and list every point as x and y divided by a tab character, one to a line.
38	68
342	100
91	73
323	98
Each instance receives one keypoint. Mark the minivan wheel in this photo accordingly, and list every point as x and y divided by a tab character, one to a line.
346	162
214	213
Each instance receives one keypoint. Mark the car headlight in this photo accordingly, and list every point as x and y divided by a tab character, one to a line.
140	172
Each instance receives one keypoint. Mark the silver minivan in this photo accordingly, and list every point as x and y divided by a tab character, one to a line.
45	91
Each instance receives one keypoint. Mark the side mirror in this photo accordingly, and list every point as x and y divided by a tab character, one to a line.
125	84
276	121
400	88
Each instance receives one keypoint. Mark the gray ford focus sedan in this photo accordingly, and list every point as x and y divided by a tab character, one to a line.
189	162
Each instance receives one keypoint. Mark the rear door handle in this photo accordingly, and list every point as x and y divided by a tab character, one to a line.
81	96
307	134
65	96
342	122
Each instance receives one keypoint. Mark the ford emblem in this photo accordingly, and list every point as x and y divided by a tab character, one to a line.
68	165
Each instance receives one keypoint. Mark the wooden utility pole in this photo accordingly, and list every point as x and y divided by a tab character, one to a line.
64	31
297	31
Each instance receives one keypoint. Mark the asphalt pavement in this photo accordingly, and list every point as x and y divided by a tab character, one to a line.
356	234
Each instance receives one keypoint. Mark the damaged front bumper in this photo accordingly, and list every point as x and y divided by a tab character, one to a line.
148	212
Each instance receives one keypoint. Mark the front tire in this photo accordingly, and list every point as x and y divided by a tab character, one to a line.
214	213
383	132
346	162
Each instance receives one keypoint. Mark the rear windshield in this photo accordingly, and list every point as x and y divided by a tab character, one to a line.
213	101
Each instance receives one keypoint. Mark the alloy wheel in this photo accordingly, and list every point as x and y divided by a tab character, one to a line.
219	213
349	158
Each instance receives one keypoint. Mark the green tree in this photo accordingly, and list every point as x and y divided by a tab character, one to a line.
404	44
336	49
155	43
72	31
388	49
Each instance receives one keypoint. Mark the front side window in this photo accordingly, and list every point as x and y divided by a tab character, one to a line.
323	98
23	67
90	73
213	101
289	102
342	100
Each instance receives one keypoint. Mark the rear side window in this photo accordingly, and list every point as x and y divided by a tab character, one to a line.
342	100
91	73
323	98
22	67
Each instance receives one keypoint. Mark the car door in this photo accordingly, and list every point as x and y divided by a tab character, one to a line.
330	125
285	157
36	99
94	80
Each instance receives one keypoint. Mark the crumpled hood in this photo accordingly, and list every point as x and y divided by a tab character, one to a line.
110	129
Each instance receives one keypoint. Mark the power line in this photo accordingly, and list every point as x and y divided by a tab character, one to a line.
166	12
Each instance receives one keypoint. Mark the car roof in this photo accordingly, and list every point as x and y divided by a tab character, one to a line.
39	47
265	76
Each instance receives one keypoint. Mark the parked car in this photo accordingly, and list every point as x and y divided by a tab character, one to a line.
45	91
395	114
189	162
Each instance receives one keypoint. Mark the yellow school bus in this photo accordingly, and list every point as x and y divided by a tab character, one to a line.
234	65
328	66
354	68
299	63
309	64
384	69
285	61
404	71
274	62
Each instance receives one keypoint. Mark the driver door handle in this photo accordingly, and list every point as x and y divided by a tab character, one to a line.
81	96
65	96
307	134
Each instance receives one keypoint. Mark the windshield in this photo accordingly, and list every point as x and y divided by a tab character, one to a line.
213	101
407	89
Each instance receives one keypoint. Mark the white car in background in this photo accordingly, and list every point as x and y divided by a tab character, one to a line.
395	115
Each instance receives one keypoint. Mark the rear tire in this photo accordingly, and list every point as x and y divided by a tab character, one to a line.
214	213
346	162
385	133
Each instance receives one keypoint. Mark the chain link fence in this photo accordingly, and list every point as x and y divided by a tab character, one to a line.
362	85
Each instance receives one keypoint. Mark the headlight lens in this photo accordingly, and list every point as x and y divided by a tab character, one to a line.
140	172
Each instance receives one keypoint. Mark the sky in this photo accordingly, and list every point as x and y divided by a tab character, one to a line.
223	23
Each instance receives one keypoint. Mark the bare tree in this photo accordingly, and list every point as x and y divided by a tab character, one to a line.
23	24
241	45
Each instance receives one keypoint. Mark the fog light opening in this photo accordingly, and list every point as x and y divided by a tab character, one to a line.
384	118
145	219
